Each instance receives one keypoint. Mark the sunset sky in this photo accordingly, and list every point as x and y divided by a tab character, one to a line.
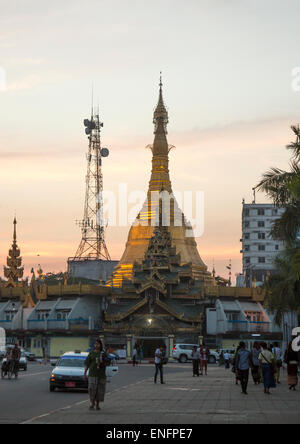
227	74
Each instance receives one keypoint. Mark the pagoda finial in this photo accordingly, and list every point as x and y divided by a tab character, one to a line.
15	230
14	271
160	118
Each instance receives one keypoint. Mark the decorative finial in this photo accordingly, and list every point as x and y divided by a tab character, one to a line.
160	118
14	270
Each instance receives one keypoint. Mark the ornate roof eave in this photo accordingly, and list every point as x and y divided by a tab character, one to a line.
119	316
153	283
174	313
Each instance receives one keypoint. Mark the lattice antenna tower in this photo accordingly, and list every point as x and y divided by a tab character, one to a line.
92	245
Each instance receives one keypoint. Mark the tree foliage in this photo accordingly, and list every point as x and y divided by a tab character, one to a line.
283	187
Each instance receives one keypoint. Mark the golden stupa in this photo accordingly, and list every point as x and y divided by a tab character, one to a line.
153	212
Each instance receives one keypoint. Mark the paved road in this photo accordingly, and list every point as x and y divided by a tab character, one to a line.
212	399
29	395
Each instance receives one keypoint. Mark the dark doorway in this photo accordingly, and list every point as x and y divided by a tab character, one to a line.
149	346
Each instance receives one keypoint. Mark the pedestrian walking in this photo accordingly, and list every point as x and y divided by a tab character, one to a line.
134	357
268	368
234	366
291	358
140	354
196	360
227	360
44	359
95	364
255	370
158	360
278	356
243	363
204	356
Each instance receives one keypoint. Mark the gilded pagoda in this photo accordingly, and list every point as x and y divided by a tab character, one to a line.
14	270
152	212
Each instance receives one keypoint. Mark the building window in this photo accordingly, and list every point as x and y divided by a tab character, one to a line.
274	212
247	224
260	223
276	247
247	247
247	236
261	260
246	213
261	212
261	248
248	260
261	236
36	343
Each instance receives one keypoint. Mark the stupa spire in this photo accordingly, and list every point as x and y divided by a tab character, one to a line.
160	149
14	270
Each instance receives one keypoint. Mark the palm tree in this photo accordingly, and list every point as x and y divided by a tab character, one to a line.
283	187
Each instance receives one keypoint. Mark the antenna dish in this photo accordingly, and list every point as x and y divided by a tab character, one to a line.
86	122
87	131
104	152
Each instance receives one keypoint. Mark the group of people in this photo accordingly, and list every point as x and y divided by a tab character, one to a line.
137	355
200	358
265	364
12	358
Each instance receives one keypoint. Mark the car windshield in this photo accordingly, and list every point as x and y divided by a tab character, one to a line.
72	362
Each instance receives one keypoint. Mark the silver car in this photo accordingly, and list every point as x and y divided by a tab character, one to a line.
69	372
183	353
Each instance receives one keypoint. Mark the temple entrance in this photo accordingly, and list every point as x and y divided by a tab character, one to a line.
149	345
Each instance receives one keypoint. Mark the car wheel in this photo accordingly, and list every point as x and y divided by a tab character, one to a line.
212	360
183	359
52	389
25	369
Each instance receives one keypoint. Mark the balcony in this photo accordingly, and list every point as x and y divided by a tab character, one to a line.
59	324
248	326
36	324
237	325
260	327
7	325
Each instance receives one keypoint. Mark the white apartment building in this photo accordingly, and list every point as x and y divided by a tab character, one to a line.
259	249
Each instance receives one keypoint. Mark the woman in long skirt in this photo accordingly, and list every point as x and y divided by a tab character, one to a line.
291	359
96	365
266	360
255	363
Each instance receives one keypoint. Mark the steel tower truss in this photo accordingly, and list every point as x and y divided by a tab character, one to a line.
92	245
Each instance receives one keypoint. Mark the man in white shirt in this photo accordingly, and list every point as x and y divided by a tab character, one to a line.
158	364
227	359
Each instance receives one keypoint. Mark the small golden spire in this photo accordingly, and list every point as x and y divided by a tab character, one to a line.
160	117
14	270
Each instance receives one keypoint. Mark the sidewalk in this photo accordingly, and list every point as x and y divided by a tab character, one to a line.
213	399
